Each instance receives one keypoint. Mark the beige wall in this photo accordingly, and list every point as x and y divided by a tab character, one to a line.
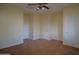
26	26
47	26
11	22
36	26
71	25
57	25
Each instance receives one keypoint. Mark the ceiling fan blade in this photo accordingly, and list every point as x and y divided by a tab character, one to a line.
46	7
33	4
37	3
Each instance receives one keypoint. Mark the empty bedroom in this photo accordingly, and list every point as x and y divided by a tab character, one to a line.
39	28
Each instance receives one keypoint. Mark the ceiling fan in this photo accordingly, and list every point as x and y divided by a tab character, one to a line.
40	6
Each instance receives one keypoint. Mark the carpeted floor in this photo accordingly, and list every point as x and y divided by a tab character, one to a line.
41	47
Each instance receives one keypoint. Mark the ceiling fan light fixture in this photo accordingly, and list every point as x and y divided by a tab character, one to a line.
37	8
43	8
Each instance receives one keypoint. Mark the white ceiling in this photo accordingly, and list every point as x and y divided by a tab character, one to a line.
30	9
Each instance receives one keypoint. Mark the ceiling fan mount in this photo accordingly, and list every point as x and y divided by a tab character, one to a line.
40	6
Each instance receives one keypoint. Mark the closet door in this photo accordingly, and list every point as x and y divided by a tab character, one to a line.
71	26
